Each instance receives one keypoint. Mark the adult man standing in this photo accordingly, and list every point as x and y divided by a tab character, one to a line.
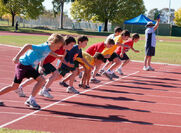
150	44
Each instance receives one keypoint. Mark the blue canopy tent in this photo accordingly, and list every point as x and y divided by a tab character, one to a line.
139	20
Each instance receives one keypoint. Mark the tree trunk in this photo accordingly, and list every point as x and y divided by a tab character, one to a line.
105	24
61	15
13	17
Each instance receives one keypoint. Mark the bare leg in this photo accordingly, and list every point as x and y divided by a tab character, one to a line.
149	60
117	62
27	82
55	76
125	63
9	88
72	77
145	61
40	82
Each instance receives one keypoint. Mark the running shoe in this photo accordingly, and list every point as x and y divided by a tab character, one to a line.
32	104
115	76
72	90
45	93
64	84
94	80
151	69
20	92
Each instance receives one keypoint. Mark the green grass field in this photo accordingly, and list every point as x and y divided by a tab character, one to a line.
5	130
166	52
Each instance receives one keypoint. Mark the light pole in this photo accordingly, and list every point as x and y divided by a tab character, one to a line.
169	13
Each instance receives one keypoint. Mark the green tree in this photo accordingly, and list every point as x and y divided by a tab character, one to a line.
115	11
177	19
28	8
58	7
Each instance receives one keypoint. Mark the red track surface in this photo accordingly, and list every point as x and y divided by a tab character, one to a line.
138	102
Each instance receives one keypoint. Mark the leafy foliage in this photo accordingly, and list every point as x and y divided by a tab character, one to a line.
28	8
115	11
177	19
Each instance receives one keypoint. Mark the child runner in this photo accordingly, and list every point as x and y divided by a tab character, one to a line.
114	57
150	44
69	64
47	67
99	47
28	58
95	60
117	32
121	51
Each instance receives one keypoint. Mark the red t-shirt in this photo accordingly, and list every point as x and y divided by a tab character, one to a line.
98	47
50	59
129	43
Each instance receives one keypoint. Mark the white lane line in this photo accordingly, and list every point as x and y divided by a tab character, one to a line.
20	118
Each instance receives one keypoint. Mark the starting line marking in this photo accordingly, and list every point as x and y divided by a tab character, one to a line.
32	113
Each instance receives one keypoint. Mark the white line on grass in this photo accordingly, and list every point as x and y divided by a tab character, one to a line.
32	113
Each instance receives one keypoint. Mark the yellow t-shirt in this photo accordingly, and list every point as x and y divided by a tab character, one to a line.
88	58
113	48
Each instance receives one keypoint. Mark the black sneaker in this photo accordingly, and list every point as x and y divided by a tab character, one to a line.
115	76
109	76
98	74
1	103
64	84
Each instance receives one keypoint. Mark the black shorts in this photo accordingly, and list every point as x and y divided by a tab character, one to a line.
125	57
49	68
23	71
113	56
150	51
64	69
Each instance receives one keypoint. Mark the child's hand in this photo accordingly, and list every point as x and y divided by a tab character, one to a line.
41	69
70	65
107	56
15	60
60	57
121	55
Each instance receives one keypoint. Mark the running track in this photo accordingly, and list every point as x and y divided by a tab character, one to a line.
138	102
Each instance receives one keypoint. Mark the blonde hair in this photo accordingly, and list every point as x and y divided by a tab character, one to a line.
55	38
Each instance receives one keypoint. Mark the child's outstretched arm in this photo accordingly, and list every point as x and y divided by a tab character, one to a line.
56	55
25	48
137	51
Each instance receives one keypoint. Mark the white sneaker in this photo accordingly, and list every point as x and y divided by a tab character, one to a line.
145	68
32	103
20	92
72	90
151	69
45	93
119	71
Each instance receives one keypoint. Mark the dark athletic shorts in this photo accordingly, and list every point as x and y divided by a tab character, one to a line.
49	68
150	51
22	71
113	56
64	69
125	57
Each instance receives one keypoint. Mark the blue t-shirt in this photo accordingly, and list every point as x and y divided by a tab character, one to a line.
35	55
73	54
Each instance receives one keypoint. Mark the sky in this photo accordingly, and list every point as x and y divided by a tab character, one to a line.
149	4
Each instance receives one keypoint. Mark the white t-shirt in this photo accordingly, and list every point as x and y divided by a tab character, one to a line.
150	37
111	36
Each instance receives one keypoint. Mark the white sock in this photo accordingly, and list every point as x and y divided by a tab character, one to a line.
31	98
120	68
